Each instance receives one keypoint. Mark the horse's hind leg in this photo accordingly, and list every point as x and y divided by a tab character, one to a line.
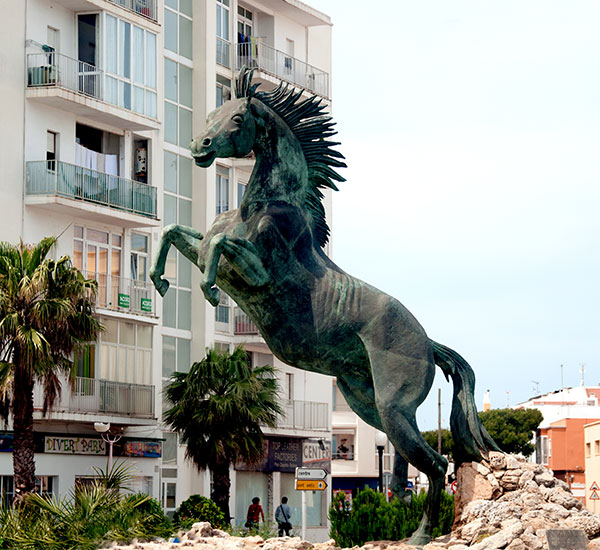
186	240
401	383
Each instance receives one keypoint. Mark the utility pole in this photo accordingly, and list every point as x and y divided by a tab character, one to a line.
440	421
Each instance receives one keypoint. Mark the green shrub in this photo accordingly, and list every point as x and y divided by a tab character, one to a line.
91	516
198	508
371	517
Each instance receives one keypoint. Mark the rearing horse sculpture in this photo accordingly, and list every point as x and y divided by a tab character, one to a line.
268	256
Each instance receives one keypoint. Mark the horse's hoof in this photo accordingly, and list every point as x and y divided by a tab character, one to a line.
212	294
162	286
419	538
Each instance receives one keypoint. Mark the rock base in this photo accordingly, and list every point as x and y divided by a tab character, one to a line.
502	503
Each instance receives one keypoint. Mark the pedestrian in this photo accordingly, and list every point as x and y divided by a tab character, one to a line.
255	512
282	517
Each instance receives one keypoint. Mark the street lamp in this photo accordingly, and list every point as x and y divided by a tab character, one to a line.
104	430
380	441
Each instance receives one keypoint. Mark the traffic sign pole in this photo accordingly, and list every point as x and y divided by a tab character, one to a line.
303	515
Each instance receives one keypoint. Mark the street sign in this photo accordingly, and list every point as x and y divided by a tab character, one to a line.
310	473
310	485
594	487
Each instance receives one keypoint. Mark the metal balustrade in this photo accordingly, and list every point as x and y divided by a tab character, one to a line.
92	395
308	415
61	179
223	52
121	294
242	324
56	69
282	65
147	8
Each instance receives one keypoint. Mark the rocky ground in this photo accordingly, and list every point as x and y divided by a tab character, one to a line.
503	503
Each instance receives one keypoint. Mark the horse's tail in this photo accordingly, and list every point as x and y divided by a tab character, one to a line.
471	439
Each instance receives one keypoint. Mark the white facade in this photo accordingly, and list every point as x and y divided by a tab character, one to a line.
101	100
577	402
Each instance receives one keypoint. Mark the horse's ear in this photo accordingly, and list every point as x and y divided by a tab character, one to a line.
258	110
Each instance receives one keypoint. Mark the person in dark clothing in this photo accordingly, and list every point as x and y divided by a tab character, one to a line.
282	516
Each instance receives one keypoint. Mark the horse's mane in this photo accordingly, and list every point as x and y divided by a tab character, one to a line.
306	120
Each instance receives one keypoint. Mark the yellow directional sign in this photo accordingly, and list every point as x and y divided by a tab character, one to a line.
310	485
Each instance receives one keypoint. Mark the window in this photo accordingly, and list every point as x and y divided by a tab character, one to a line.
223	43
169	448
542	449
51	149
241	189
222	189
343	445
130	66
125	352
588	450
222	312
97	254
597	447
178	28
176	356
289	386
223	90
44	485
139	257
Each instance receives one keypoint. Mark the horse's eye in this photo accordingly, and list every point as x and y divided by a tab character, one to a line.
238	119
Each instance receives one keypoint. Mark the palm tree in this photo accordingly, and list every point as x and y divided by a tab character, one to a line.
46	312
218	408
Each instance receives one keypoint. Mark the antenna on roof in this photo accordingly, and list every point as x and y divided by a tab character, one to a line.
582	371
536	386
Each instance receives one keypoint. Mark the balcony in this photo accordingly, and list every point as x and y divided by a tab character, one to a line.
282	66
103	197
145	8
304	415
104	397
117	293
66	83
243	325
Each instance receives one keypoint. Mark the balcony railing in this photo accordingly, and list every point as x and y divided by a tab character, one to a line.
243	324
60	179
283	66
223	52
91	395
147	8
56	69
307	415
125	295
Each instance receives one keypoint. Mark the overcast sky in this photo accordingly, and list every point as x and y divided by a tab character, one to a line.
472	135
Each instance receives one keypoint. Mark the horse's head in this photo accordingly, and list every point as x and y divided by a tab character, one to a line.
230	132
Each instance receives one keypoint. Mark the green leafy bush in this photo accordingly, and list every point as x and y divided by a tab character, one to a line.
371	517
198	508
91	516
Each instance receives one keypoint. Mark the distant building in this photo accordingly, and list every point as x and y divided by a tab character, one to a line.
592	466
560	436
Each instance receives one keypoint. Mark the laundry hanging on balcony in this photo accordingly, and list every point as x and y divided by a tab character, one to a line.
99	162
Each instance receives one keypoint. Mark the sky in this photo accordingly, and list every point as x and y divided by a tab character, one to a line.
471	130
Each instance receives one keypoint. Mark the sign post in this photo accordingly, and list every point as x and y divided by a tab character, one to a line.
309	479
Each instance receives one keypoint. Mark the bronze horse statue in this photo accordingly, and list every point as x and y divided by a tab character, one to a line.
268	256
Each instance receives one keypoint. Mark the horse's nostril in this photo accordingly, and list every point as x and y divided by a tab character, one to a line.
206	142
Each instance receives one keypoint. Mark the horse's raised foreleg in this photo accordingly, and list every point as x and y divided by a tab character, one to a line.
186	240
244	260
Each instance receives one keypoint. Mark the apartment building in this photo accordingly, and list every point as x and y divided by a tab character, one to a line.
560	437
591	433
101	99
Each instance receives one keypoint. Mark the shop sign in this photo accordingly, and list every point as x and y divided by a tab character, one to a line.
317	454
124	300
146	305
285	455
148	449
74	445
